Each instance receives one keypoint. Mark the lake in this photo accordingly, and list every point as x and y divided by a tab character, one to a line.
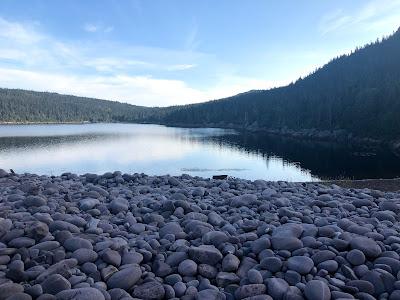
158	150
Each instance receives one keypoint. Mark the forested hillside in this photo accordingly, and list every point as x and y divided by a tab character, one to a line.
29	106
358	93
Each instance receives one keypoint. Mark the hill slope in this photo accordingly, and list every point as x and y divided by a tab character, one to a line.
29	106
357	93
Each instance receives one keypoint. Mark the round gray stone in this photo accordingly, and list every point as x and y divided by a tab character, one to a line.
277	287
187	268
76	243
125	278
84	255
205	254
54	284
317	290
20	296
254	276
170	228
210	294
111	257
152	290
300	264
355	257
272	264
86	293
368	246
250	290
207	271
230	263
286	243
9	289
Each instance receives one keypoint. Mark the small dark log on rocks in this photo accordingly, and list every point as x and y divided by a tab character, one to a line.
220	177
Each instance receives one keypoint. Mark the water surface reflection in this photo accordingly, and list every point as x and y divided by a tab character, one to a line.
153	149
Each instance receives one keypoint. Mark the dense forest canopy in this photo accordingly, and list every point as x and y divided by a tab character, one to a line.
29	106
358	93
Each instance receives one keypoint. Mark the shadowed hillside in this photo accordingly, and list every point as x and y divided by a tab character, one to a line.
357	93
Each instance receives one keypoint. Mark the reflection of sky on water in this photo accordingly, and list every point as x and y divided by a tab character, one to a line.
151	149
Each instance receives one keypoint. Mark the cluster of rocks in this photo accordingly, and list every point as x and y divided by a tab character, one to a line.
119	236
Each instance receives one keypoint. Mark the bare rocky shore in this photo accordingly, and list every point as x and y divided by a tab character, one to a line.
119	236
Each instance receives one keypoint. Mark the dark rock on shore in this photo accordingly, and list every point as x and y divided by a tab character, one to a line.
133	236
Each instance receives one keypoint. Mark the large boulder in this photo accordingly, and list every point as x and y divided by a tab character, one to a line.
367	245
205	254
126	278
86	293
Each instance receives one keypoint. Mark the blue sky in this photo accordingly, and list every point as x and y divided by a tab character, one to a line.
159	53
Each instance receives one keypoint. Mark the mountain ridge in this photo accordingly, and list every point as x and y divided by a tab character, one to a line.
24	106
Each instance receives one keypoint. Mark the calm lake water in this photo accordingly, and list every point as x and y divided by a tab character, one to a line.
158	150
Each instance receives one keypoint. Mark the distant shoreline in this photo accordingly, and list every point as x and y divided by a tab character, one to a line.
386	185
308	134
46	123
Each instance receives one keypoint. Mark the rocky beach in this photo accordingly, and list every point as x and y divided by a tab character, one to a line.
132	236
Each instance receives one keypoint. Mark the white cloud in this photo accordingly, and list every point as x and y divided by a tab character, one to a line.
139	90
137	75
133	89
18	32
380	16
9	54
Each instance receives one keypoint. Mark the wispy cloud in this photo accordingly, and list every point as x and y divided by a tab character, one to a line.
109	64
108	29
334	21
192	41
374	15
49	53
92	28
180	67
